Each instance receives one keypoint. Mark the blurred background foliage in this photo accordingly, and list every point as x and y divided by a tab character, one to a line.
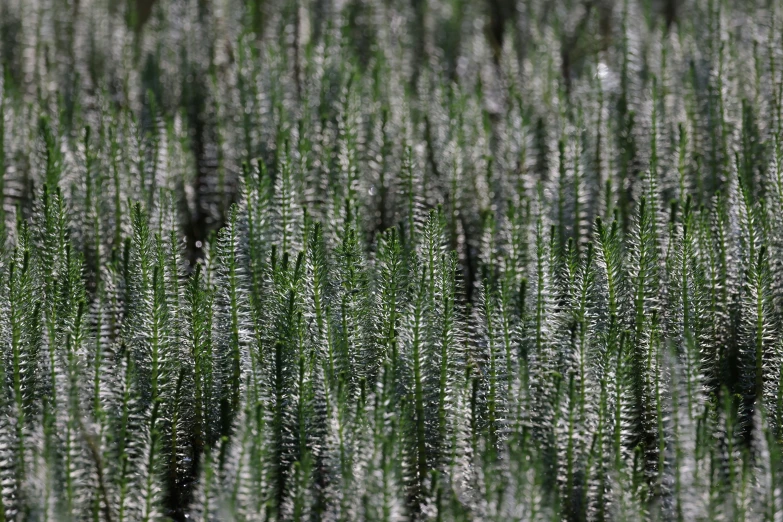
59	51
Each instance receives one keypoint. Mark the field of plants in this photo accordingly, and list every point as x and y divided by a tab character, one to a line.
391	260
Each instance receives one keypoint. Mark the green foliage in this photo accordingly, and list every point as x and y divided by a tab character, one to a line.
391	260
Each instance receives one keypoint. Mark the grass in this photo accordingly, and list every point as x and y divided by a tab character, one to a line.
381	260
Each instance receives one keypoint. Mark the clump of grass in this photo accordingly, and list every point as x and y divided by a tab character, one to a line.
390	261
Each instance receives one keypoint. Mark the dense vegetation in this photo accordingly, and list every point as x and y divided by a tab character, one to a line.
390	260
